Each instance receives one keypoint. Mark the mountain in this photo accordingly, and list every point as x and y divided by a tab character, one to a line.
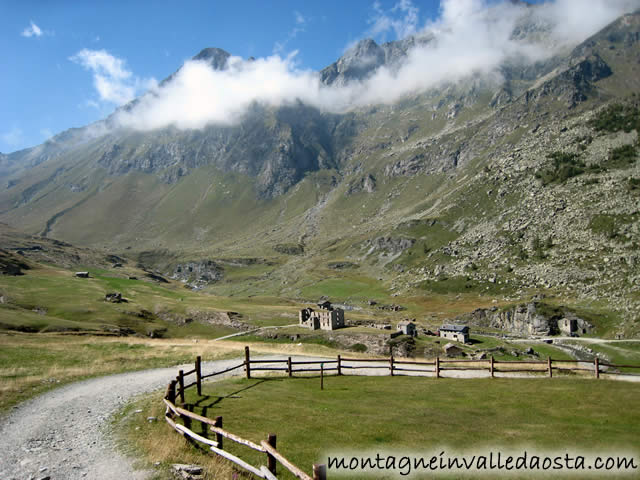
366	57
499	186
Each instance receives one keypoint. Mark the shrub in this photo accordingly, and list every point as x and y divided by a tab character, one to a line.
634	184
616	118
610	225
565	165
621	157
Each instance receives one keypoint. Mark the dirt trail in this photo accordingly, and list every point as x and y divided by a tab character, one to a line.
63	434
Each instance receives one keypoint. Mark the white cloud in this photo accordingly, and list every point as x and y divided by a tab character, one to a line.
300	26
198	95
32	31
13	138
113	82
471	38
403	19
300	19
576	19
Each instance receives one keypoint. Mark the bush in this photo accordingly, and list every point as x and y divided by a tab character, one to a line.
634	184
621	157
610	225
616	118
565	165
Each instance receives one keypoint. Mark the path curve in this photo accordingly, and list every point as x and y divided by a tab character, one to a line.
63	434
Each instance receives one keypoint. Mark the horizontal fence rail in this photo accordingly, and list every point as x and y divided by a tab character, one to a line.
176	389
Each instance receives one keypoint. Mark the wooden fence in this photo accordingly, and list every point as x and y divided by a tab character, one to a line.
176	389
175	395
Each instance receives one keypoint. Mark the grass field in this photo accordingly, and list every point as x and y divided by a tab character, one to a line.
399	414
32	364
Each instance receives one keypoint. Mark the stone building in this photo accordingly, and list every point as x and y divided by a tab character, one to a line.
407	328
327	318
573	327
452	350
459	333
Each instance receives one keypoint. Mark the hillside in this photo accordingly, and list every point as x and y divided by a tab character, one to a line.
486	187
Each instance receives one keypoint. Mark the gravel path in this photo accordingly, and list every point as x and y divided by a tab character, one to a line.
63	434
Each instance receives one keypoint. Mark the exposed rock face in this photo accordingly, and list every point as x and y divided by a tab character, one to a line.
10	265
215	57
575	84
532	319
361	60
365	184
289	248
198	274
390	245
342	265
115	297
226	319
364	58
276	148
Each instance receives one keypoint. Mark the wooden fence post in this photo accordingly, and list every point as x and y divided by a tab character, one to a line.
391	365
187	423
199	374
219	437
549	367
339	365
322	376
491	365
289	371
437	367
172	392
271	460
597	366
247	361
181	384
319	472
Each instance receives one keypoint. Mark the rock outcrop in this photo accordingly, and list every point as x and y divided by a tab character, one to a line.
198	274
531	319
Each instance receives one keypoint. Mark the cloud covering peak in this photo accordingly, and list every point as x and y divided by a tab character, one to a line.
470	38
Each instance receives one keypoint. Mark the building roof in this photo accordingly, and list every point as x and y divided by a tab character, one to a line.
405	322
455	328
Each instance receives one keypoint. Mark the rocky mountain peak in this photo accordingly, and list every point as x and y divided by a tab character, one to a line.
216	57
357	63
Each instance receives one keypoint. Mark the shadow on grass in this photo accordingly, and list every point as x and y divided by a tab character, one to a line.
207	402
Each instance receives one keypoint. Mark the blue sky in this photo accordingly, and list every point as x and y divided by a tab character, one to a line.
47	84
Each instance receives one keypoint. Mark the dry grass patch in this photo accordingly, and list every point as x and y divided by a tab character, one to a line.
33	363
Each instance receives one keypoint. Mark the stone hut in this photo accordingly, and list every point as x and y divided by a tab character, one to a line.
407	327
452	350
573	326
458	333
